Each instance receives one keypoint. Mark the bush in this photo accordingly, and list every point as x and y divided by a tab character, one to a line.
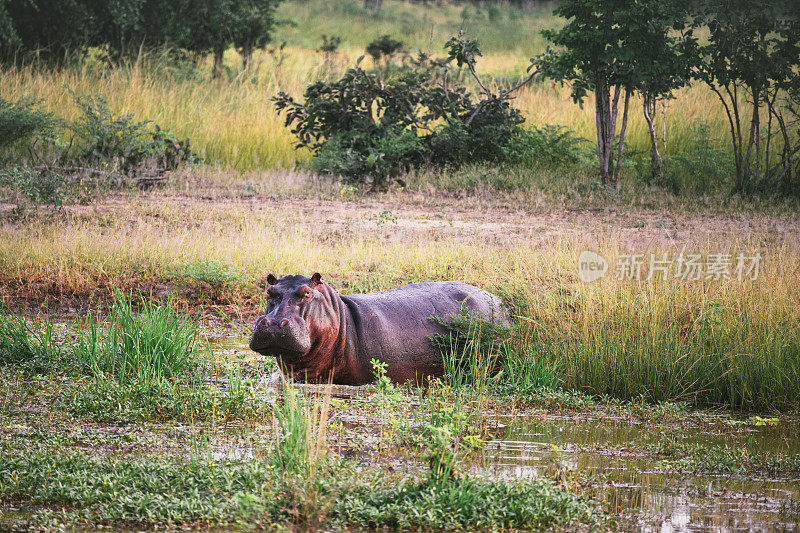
20	120
122	143
547	145
702	168
368	129
37	186
384	48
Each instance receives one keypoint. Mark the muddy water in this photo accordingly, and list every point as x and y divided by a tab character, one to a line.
608	456
605	457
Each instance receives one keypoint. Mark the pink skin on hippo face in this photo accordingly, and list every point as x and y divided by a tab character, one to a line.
317	335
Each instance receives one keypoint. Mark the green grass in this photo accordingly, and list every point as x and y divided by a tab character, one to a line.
723	459
500	29
651	342
79	490
27	346
148	366
157	344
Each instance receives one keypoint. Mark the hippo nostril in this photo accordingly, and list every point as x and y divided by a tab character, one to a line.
283	324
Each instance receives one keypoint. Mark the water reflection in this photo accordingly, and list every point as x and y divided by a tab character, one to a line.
629	486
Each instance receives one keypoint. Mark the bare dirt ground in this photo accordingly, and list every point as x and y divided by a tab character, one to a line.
414	216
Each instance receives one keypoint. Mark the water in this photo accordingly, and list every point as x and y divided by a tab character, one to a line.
607	456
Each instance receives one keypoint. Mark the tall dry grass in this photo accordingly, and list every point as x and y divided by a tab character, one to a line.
707	342
232	120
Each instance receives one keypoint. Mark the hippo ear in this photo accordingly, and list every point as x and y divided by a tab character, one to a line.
271	279
316	279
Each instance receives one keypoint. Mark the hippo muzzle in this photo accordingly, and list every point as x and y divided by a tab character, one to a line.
280	336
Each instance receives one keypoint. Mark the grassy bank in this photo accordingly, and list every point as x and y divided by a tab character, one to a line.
709	342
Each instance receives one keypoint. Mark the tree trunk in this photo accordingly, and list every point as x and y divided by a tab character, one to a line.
754	126
247	54
621	147
602	118
606	117
649	106
218	56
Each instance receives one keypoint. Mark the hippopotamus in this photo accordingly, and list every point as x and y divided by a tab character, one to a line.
317	335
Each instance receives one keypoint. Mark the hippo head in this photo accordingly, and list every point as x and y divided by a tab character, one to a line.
296	313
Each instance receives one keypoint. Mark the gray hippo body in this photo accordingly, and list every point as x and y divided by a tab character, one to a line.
317	335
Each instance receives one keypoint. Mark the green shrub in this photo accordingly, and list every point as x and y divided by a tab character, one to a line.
384	48
548	145
121	143
368	129
702	168
20	120
37	186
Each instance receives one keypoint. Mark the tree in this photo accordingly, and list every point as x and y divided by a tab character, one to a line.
51	28
665	50
9	39
750	62
613	49
369	126
253	23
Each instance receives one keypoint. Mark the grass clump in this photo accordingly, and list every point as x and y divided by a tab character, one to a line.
157	344
481	355
218	274
31	349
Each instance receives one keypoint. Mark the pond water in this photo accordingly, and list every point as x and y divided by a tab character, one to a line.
606	456
642	497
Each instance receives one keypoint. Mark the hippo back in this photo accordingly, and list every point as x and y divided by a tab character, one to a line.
395	327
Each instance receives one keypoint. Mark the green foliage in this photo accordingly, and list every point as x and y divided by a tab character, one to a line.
548	145
103	398
215	273
367	128
54	28
291	451
330	44
470	348
170	491
123	143
384	48
617	48
525	373
20	120
28	348
37	186
702	168
751	58
157	344
466	504
699	459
